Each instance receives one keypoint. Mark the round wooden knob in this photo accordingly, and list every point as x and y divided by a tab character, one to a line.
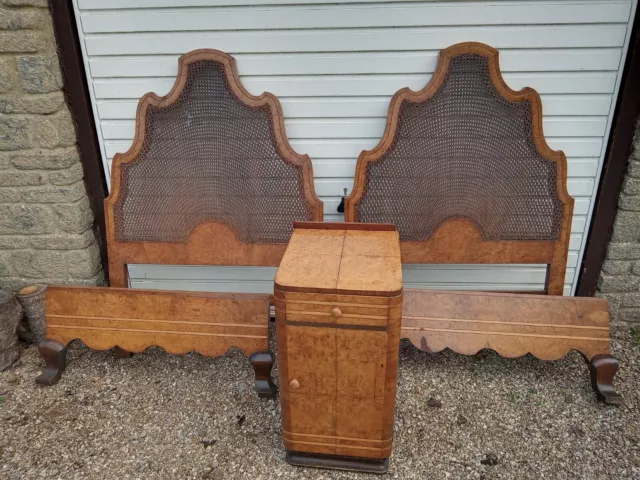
294	383
336	312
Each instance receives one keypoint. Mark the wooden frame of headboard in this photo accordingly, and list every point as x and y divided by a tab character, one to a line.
458	240
210	243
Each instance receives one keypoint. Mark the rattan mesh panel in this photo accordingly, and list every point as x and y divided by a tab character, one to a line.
209	157
465	152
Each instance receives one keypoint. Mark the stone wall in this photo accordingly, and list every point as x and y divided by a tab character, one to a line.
46	222
620	276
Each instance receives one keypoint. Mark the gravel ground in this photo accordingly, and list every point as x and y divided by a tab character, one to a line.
177	417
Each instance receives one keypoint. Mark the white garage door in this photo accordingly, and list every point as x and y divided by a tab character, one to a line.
335	67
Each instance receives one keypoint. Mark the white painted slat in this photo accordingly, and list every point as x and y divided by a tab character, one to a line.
366	85
340	167
351	16
578	223
266	287
335	66
374	128
233	279
351	148
582	167
346	167
572	259
366	40
345	63
577	147
577	187
331	107
575	241
500	274
581	206
152	4
244	286
486	287
334	187
412	273
580	187
198	272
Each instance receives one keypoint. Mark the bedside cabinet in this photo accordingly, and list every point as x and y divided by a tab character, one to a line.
338	301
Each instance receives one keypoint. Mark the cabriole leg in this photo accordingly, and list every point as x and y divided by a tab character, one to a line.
55	356
603	368
262	364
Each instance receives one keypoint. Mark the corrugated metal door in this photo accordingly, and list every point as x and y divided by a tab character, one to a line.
336	66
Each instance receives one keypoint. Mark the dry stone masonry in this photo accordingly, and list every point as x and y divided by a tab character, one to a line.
45	219
620	276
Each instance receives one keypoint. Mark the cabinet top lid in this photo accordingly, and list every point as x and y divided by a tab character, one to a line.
346	258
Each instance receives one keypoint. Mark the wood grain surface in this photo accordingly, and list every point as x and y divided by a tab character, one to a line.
511	324
341	258
179	322
338	353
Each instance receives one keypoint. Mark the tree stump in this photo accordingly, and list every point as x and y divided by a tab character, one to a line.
10	316
33	326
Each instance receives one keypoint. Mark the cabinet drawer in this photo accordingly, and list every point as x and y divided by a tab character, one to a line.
336	309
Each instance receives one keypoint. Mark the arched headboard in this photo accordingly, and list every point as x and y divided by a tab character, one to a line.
464	172
210	178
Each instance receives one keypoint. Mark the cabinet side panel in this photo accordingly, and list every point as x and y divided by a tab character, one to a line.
393	352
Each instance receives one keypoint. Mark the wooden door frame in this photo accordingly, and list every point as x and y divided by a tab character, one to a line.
614	168
76	91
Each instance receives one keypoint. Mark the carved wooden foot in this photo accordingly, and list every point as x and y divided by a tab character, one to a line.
55	356
603	368
337	462
262	364
120	353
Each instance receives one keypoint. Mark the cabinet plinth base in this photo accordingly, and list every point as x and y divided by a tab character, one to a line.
337	462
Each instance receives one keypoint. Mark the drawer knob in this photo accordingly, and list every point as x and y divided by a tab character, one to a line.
294	383
336	312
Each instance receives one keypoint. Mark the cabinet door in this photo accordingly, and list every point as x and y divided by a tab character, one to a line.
361	362
311	357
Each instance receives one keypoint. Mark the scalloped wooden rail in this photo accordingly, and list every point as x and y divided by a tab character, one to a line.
179	322
547	327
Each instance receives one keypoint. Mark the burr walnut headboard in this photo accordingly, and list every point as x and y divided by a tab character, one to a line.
210	178
464	172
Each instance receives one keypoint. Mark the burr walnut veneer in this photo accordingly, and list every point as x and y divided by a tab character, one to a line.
338	300
464	172
179	322
514	325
